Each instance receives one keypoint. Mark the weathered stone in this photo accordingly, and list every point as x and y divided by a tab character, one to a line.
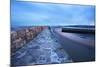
20	37
46	51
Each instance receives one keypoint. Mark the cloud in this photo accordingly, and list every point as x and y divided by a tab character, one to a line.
28	13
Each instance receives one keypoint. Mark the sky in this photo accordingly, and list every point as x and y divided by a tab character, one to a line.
41	14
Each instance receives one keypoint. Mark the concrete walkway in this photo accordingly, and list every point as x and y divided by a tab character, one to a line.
44	49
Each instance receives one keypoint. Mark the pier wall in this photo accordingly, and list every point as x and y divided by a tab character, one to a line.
21	37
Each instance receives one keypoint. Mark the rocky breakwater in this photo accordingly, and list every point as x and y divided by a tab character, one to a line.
22	36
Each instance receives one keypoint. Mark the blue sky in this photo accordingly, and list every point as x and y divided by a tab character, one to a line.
31	13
